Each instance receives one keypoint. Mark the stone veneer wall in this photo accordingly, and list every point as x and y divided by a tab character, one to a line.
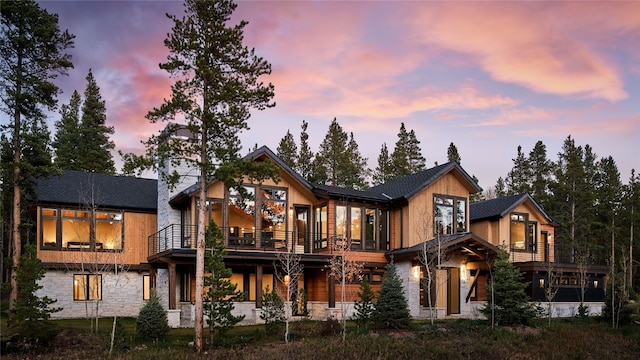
411	287
121	295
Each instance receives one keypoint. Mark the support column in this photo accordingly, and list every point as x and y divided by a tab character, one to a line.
153	274
332	291
172	286
259	286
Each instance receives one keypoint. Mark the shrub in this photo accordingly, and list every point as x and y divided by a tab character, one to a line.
152	321
364	306
272	309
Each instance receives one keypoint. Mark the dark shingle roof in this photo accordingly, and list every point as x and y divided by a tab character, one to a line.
110	191
500	207
409	185
347	193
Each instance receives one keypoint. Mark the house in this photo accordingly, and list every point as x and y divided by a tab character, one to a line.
92	232
145	238
520	225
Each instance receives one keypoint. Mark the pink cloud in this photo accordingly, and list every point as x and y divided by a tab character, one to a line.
530	44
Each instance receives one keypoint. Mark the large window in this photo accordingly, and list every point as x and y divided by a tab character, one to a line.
78	229
274	216
87	287
367	228
523	233
450	215
242	214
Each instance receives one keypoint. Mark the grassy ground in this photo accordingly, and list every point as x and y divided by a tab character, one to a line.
451	339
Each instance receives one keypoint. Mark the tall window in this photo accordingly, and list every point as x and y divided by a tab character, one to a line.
341	221
523	232
370	233
242	212
78	229
87	287
146	287
320	228
356	228
450	214
274	213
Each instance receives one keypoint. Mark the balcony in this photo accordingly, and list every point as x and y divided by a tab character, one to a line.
176	236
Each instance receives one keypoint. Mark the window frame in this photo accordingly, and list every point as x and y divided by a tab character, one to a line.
455	213
87	293
62	213
530	237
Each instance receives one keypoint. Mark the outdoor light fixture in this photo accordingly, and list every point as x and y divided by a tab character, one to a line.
287	279
541	283
595	283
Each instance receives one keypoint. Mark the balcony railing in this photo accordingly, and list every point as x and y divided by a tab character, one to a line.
176	236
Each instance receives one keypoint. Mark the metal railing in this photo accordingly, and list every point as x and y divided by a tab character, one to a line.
177	236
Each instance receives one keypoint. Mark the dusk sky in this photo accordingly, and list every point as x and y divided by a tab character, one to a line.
488	76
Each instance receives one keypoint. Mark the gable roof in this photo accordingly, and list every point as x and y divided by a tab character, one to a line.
408	186
498	208
468	242
110	191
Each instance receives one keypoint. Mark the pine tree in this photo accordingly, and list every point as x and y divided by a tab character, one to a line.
95	155
152	323
221	81
356	171
272	309
305	157
541	171
67	137
517	180
452	154
31	313
364	306
479	196
407	157
383	172
288	151
338	162
391	308
510	304
33	54
222	293
501	188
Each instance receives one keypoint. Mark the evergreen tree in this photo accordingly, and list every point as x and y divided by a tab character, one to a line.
391	308
541	170
364	306
407	157
222	293
288	151
31	313
272	309
383	172
452	154
479	196
33	51
305	157
67	138
95	155
338	162
221	81
517	181
510	304
152	323
501	188
356	171
572	203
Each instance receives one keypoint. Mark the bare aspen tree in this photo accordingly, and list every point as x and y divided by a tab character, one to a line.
287	272
344	268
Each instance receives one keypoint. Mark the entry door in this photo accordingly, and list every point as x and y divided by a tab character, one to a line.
453	291
301	228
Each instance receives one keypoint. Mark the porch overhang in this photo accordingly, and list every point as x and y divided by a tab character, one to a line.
468	244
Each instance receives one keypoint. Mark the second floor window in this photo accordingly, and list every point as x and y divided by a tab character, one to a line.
81	229
523	232
450	215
